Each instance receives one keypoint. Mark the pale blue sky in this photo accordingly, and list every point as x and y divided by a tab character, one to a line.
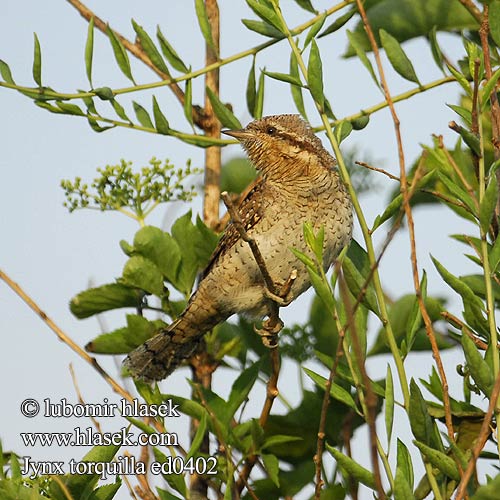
53	254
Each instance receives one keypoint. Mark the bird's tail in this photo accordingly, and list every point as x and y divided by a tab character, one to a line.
159	356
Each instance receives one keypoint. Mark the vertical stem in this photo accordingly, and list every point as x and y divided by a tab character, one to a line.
202	373
212	153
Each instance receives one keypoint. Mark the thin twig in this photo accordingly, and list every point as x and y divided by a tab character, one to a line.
64	338
472	8
376	169
457	323
483	436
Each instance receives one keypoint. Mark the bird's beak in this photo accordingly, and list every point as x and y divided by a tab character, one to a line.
241	134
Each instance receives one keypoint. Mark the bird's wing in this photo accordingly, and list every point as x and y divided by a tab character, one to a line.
250	212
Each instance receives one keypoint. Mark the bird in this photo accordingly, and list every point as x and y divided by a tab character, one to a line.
298	182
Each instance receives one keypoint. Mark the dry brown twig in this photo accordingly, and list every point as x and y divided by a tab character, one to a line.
376	169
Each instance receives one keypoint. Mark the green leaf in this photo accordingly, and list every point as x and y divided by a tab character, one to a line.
161	122
404	463
457	191
478	367
315	74
460	78
397	57
104	298
420	420
488	491
119	110
150	48
494	21
69	108
459	286
415	319
314	30
251	92
5	72
104	93
297	90
435	49
259	104
440	460
306	5
488	88
223	113
464	113
360	52
357	282
175	481
120	53
266	13
263	28
393	207
37	62
240	389
389	405
143	116
144	274
123	340
284	77
161	248
358	472
89	50
94	125
338	23
488	203
198	437
170	53
188	101
361	122
107	491
206	30
77	484
271	464
494	255
343	130
336	391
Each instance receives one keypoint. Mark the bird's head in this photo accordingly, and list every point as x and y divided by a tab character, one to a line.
282	144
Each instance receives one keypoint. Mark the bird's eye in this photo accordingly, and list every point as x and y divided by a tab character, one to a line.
271	130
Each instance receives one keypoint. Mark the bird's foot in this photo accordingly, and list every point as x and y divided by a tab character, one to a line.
269	332
281	301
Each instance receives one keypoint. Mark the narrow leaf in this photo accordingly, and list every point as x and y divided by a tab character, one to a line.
389	405
338	23
315	74
142	115
251	92
37	62
440	460
357	471
89	50
150	48
342	130
313	31
397	57
284	77
120	111
306	5
356	283
120	53
259	104
266	13
478	367
460	79
223	113
206	30
489	87
435	49
5	72
360	52
69	108
198	437
188	101
393	207
297	91
170	53
161	123
420	420
263	28
494	21
404	463
464	113
495	255
488	203
271	464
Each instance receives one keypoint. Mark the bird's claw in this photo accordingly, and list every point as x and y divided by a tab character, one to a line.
281	301
269	332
